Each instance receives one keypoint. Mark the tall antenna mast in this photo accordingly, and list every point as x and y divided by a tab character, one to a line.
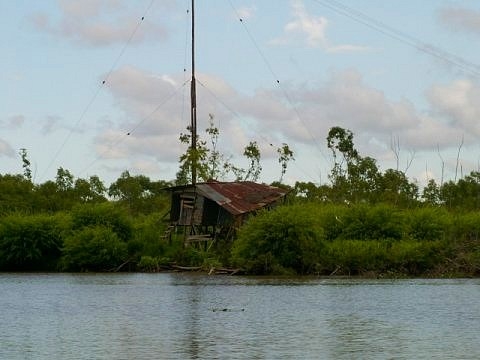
193	105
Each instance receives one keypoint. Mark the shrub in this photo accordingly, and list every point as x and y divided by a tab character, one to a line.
466	227
104	214
428	223
414	257
147	236
94	248
352	257
330	217
31	242
287	239
374	222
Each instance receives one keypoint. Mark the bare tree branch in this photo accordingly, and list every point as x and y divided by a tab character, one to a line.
458	157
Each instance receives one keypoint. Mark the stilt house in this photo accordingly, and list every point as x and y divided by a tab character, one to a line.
212	208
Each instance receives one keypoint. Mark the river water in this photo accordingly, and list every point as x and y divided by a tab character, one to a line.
191	316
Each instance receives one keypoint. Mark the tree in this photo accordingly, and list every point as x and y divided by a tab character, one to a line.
284	156
27	172
463	194
395	188
252	153
139	193
217	165
91	190
64	180
15	194
431	193
353	177
211	164
341	140
192	157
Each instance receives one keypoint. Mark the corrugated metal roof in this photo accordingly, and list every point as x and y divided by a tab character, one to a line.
240	197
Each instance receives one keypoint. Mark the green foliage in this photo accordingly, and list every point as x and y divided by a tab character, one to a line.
467	226
353	257
150	263
252	153
364	222
139	194
91	190
378	222
415	258
431	193
356	239
27	171
64	180
94	248
285	154
395	188
209	163
285	239
98	239
330	218
146	239
31	242
428	223
464	194
105	214
16	194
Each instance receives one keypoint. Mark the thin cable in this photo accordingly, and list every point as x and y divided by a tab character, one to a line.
260	135
97	92
122	137
185	54
285	94
398	35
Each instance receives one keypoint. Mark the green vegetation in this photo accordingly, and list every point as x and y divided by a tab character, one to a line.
364	222
355	240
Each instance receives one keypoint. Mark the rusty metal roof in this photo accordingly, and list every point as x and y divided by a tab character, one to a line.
238	197
242	196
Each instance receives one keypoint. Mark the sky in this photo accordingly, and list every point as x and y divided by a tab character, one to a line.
98	87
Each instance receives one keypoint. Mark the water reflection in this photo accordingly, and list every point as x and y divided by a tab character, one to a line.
191	317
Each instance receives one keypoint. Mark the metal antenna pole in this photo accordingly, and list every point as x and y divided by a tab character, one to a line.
193	104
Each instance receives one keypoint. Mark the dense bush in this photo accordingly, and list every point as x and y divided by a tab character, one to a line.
31	242
147	232
98	239
347	239
428	223
282	240
94	248
375	222
108	215
352	257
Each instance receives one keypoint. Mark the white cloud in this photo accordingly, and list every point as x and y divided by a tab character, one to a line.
303	25
311	30
85	22
459	102
156	110
269	117
246	12
346	101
